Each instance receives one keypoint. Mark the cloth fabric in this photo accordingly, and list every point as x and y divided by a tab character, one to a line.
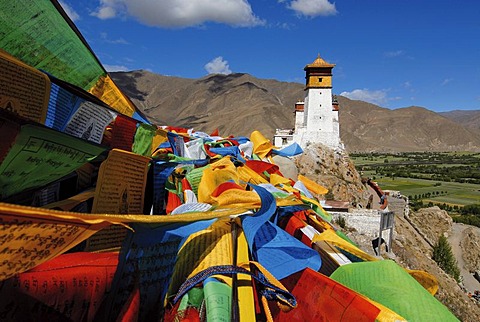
217	173
389	284
280	253
68	287
289	151
261	145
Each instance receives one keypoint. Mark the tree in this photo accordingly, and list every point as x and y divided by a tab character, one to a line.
341	221
443	256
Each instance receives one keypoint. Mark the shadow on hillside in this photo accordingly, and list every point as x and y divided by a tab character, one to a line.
128	84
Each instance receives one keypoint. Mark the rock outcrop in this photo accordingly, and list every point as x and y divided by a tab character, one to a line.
335	171
432	222
470	246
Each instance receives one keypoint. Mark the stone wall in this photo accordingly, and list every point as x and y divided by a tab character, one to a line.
365	221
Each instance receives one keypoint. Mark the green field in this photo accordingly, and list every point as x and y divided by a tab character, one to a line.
453	193
451	178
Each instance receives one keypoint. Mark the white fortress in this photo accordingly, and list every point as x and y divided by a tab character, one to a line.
316	119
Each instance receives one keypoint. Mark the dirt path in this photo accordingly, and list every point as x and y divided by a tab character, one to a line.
456	236
376	198
470	283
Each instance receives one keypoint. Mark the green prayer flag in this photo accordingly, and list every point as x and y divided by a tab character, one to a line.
41	156
37	33
390	285
142	143
218	298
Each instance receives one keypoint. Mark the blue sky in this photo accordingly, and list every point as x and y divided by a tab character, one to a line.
391	53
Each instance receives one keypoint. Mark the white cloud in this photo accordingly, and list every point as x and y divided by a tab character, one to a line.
109	9
116	68
69	11
106	13
119	41
283	25
313	8
378	97
446	81
181	13
218	66
395	53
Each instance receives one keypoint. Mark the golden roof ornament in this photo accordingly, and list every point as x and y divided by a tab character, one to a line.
319	62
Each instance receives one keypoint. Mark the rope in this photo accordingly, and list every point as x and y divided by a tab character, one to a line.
273	289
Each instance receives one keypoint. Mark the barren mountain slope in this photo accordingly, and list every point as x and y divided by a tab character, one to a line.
237	104
470	119
405	129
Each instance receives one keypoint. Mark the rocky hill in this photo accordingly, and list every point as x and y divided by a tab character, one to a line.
411	250
335	171
414	234
240	103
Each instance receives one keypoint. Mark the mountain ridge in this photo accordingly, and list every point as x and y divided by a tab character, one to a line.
240	103
470	119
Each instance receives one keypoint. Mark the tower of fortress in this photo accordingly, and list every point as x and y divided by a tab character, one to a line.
316	118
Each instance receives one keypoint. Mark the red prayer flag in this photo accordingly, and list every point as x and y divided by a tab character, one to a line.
320	298
68	287
123	133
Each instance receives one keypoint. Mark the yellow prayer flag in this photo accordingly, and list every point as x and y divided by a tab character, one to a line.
331	237
276	179
261	145
24	89
219	172
159	138
312	185
106	90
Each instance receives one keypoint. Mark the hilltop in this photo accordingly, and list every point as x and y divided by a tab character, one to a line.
240	103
